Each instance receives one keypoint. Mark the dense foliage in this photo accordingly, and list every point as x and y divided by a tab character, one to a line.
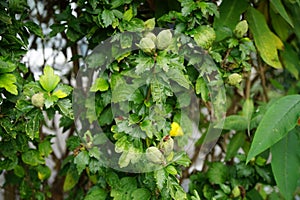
158	100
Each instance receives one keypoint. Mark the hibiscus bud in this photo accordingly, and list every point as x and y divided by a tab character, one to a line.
38	100
164	39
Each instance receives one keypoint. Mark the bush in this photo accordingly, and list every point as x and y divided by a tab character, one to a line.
158	100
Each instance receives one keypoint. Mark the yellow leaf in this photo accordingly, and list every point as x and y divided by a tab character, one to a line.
266	41
60	94
176	130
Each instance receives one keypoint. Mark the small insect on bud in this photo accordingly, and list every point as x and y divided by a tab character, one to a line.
234	79
38	100
164	39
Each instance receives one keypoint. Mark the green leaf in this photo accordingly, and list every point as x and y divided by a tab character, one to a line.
108	17
100	85
32	127
106	116
248	109
278	7
8	81
73	142
161	178
94	152
45	148
266	41
122	92
5	18
96	193
235	143
230	13
141	193
6	66
72	178
43	172
128	14
65	106
280	118
62	91
217	173
34	28
49	80
160	90
178	76
81	161
32	157
235	122
291	60
19	171
144	63
201	88
286	164
50	100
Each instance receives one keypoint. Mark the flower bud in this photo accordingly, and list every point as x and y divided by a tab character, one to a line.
205	37
167	146
38	100
234	79
236	192
240	29
154	155
151	36
164	39
147	45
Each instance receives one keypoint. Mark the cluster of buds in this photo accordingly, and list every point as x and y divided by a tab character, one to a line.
151	42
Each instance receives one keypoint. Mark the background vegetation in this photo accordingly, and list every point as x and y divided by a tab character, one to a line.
254	45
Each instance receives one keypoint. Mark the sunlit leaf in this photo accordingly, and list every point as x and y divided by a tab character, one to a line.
49	80
7	81
266	41
280	118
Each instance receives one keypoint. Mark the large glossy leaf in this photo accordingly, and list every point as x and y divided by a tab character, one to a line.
280	118
286	163
266	41
291	60
230	12
235	143
278	7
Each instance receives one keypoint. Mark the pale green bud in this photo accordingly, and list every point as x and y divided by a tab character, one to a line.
205	37
154	155
164	39
151	36
147	45
234	79
38	100
241	29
